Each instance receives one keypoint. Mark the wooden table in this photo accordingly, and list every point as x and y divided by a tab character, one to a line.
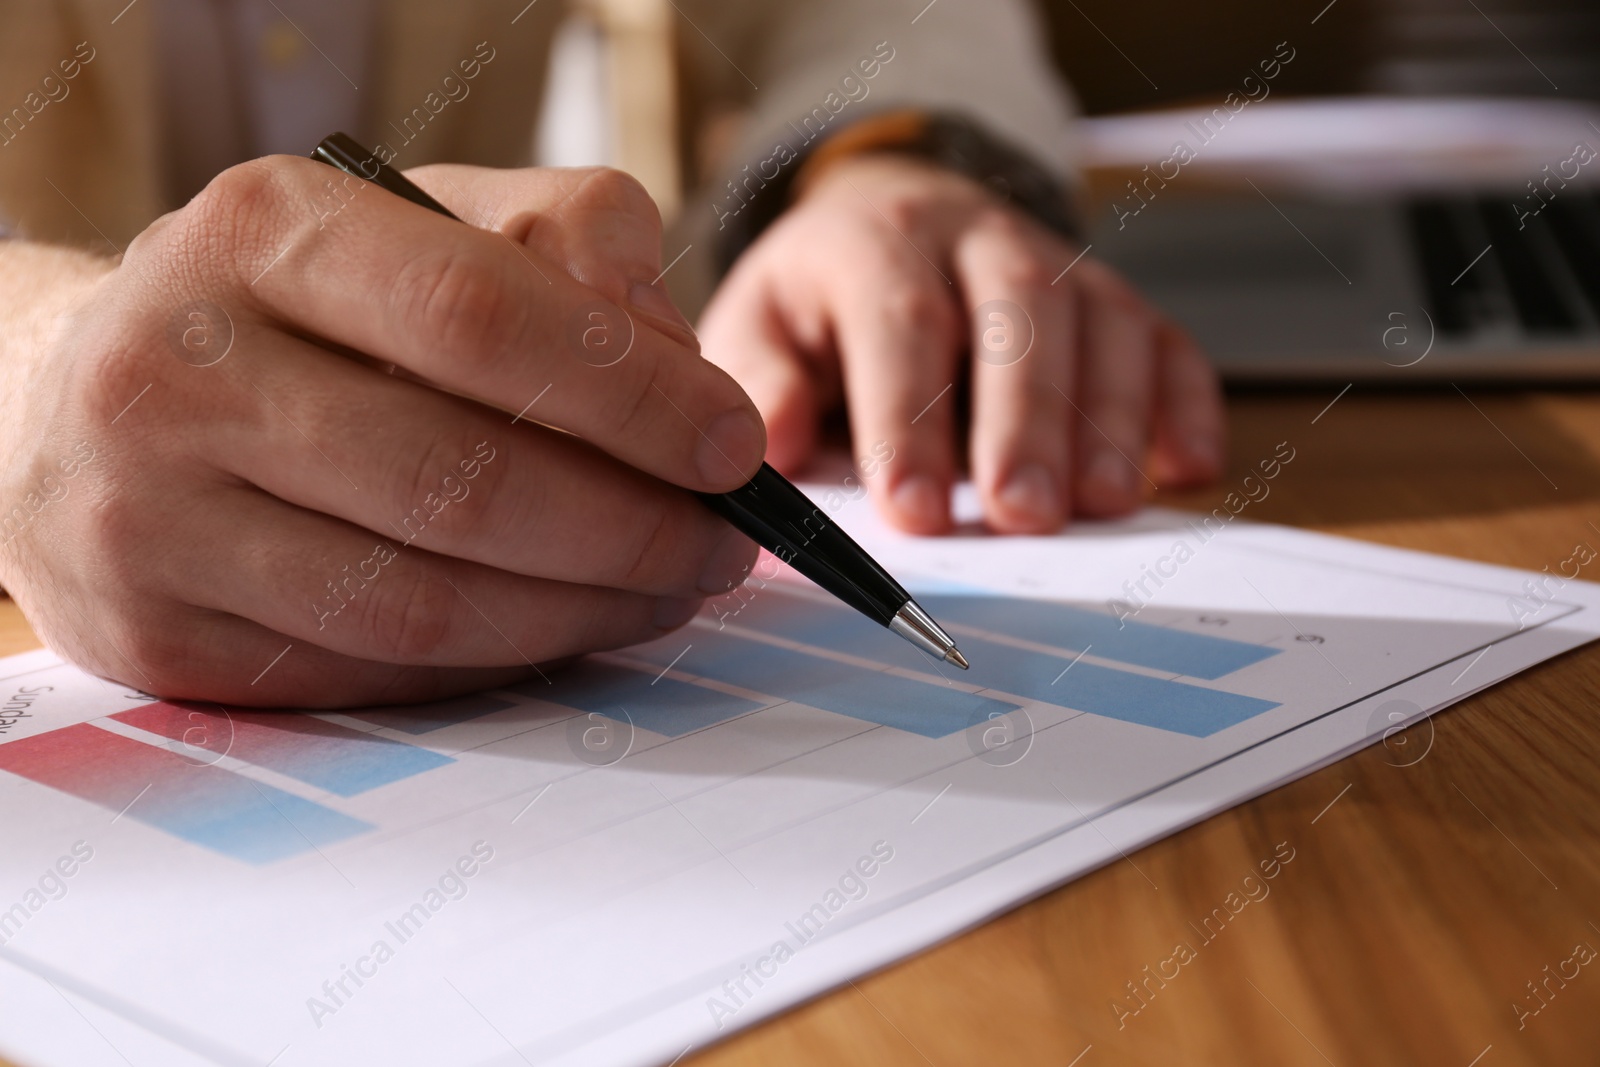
1418	905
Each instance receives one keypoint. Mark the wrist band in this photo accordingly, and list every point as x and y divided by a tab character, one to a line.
951	141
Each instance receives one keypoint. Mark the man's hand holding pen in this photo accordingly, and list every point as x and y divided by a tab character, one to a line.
297	495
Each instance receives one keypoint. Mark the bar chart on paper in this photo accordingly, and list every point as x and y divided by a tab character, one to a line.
1028	649
179	788
173	769
656	818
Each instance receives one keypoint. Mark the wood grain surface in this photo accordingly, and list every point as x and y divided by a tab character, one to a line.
1424	894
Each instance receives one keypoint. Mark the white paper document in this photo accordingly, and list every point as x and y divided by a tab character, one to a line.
647	852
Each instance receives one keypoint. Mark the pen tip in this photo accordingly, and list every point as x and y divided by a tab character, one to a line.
955	656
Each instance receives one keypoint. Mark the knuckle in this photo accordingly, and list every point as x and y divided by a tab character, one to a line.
463	302
409	617
474	502
511	503
635	417
1112	291
608	189
450	488
1009	225
158	658
235	213
918	307
1029	278
240	188
1026	274
431	483
904	211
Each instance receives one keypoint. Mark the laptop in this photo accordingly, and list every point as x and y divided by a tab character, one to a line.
1382	264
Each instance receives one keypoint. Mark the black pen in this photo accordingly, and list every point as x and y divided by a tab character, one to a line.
768	508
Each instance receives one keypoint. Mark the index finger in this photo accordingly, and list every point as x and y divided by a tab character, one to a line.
467	310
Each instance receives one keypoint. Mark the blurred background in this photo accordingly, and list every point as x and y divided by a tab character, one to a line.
1399	47
1378	215
1121	57
1403	143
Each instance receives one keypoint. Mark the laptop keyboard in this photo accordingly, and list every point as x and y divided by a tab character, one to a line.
1485	272
1578	235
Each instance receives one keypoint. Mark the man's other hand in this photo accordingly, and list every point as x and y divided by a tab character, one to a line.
877	290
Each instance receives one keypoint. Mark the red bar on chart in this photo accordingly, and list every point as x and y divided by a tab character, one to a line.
204	805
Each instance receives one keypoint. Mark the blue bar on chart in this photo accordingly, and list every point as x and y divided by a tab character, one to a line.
1115	694
829	626
343	761
426	718
1137	698
1041	621
924	708
204	805
1142	644
662	705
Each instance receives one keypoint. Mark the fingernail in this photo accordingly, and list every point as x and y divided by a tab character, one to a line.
731	448
1111	471
922	500
656	305
1032	491
672	612
727	565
